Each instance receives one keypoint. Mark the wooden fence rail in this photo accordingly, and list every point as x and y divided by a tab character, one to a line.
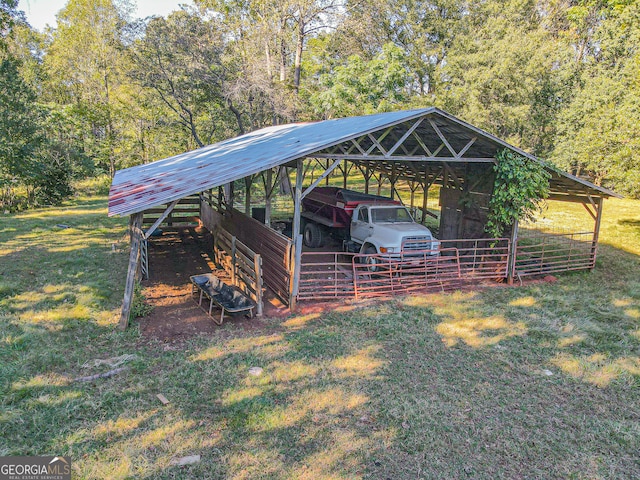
241	263
185	213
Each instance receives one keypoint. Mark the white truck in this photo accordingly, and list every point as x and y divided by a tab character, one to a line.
367	224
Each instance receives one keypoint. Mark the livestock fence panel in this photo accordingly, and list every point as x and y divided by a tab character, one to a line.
542	253
380	275
486	258
340	274
326	275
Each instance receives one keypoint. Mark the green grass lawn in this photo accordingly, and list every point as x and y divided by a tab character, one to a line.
539	381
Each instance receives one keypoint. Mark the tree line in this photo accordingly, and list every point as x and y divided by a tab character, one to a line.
103	90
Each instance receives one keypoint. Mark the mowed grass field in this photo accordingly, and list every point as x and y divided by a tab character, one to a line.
538	381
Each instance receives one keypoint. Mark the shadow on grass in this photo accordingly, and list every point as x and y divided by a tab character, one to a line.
436	386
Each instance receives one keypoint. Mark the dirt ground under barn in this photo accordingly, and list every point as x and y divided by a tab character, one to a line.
173	257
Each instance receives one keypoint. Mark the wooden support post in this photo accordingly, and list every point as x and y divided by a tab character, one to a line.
393	180
134	259
228	196
425	196
596	232
296	236
257	266
248	181
367	177
511	260
345	174
412	188
268	191
327	177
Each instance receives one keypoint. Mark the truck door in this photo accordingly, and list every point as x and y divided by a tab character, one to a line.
360	227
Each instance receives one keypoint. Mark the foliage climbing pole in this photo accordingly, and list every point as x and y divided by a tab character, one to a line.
520	187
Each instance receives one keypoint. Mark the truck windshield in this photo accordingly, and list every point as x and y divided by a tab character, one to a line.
390	215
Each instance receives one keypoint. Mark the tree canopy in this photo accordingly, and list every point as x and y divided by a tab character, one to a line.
103	90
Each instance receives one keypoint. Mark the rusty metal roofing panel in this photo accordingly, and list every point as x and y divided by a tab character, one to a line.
142	187
138	188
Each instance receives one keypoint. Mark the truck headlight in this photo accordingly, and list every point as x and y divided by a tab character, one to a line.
387	249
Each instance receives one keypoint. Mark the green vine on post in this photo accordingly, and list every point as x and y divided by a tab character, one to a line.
520	187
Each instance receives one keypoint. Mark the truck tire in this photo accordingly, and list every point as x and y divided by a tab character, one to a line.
313	235
372	262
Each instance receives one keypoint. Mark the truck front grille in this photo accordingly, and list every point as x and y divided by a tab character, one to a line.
416	243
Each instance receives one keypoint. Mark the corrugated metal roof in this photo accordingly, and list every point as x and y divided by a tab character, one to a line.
142	187
138	188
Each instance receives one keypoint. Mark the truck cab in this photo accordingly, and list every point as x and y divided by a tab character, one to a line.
389	230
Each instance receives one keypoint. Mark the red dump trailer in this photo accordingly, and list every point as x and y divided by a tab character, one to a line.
365	223
333	207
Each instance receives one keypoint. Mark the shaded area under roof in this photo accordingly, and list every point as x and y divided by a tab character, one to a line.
142	187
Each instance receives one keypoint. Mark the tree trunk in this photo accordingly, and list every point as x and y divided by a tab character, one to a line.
298	59
237	114
283	61
267	52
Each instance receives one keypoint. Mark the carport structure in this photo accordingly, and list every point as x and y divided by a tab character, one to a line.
422	148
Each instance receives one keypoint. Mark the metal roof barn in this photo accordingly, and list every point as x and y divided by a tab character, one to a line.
138	188
422	147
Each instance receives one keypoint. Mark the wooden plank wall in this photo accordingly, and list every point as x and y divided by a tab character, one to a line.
185	214
273	247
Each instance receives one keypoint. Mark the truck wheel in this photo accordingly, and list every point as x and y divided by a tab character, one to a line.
313	235
371	261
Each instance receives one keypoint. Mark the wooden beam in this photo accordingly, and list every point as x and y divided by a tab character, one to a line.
160	219
406	158
229	193
377	145
422	144
453	176
404	137
466	147
568	198
378	142
326	173
134	259
588	209
442	137
345	174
